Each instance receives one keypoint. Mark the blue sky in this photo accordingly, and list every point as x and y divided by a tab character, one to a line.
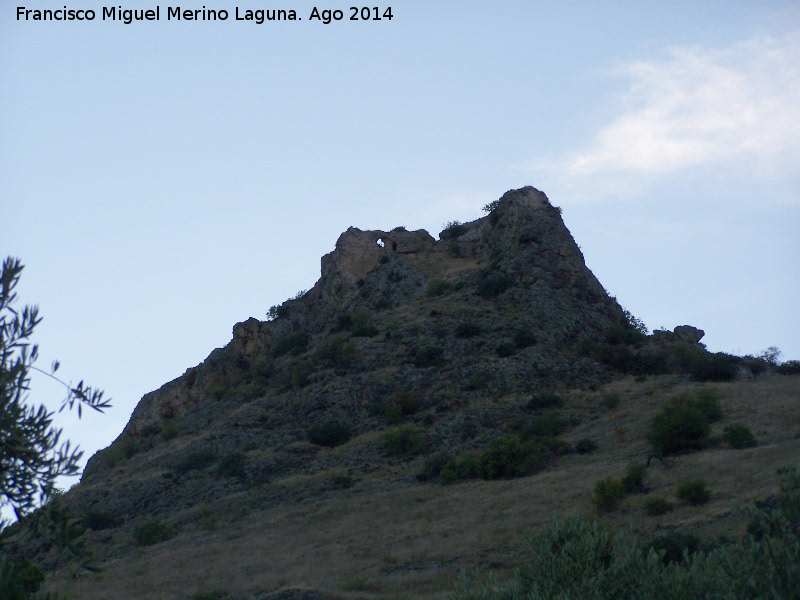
165	180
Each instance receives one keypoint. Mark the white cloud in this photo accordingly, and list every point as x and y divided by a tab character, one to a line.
700	107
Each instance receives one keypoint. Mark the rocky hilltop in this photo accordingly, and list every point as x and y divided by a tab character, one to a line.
411	362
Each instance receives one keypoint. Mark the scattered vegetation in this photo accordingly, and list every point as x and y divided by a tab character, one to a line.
100	519
505	349
580	558
523	339
338	352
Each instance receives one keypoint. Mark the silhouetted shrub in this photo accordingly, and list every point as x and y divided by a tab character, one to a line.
296	343
403	441
657	505
545	400
703	366
195	461
607	494
790	367
330	434
429	356
152	532
633	482
739	436
694	492
585	446
494	285
467	329
27	575
452	230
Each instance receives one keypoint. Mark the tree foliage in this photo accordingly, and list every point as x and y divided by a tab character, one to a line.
32	455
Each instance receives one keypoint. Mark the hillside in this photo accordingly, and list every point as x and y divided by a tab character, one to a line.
412	416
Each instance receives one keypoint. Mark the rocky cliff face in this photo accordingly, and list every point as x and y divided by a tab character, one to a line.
451	336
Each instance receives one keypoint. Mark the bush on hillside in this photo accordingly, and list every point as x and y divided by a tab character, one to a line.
657	505
607	494
694	492
330	434
494	285
152	532
739	436
683	424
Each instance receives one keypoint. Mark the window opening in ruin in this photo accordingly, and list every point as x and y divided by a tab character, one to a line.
380	243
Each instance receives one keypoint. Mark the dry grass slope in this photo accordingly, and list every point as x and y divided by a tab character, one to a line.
389	536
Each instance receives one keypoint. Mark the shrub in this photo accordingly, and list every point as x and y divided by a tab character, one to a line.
437	287
703	366
330	434
27	575
681	424
99	520
150	430
152	532
358	322
610	400
491	206
510	456
169	431
633	482
195	461
294	375
545	400
524	338
494	286
790	367
212	595
232	465
338	352
694	492
342	482
676	546
506	349
429	356
452	230
708	402
657	505
739	436
607	494
294	343
403	441
467	329
585	446
547	425
476	382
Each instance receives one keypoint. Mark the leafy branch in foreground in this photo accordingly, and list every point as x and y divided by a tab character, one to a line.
31	457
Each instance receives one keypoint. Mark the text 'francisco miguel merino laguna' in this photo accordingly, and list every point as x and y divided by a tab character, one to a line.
258	16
